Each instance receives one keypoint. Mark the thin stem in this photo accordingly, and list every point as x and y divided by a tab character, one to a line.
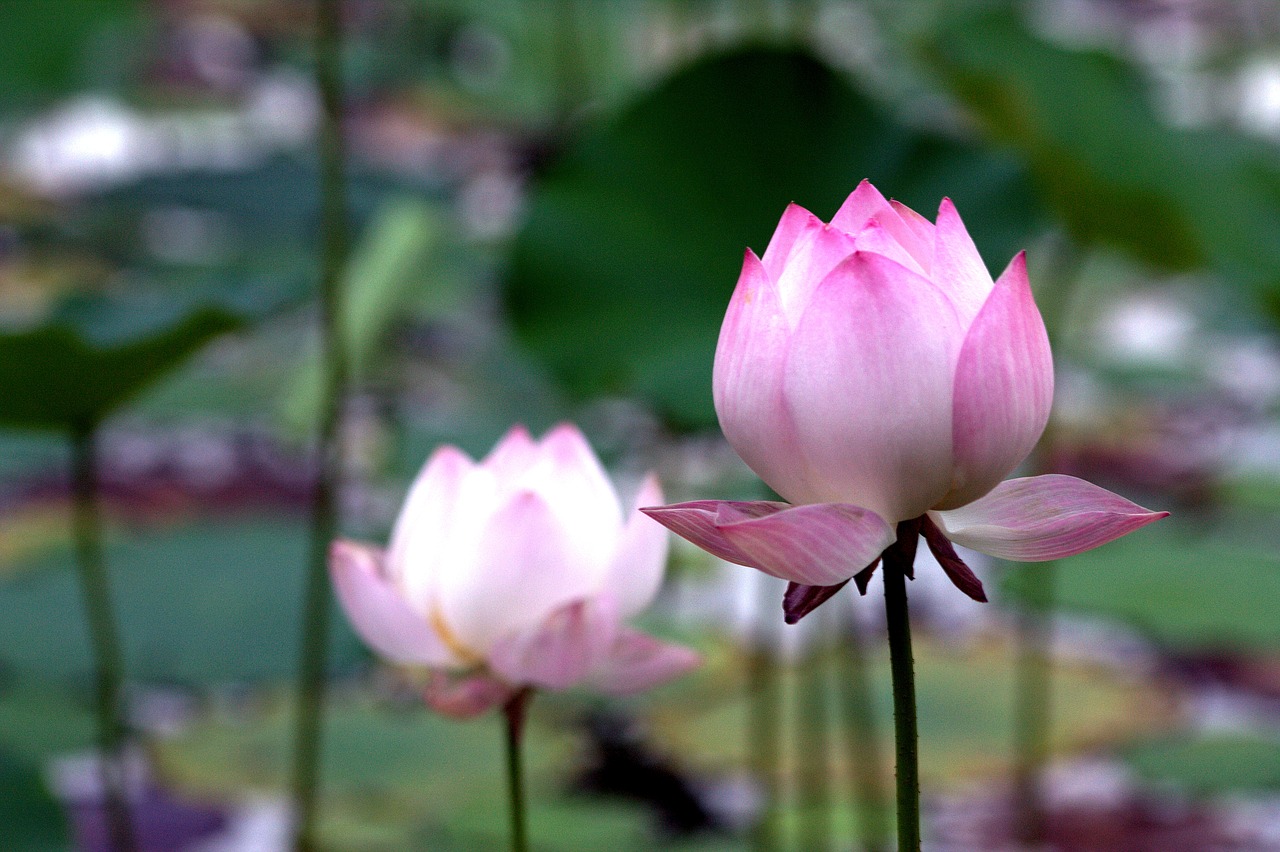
862	740
897	565
334	238
763	714
107	653
514	715
1032	697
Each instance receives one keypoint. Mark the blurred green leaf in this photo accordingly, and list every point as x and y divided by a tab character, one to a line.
31	820
1113	170
1183	591
391	266
46	45
633	242
1210	765
207	603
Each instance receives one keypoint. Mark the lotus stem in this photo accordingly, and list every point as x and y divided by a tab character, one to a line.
107	653
335	242
514	712
1033	692
897	566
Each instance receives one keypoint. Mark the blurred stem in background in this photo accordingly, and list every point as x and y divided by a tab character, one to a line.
764	705
334	248
107	653
813	742
862	736
1033	682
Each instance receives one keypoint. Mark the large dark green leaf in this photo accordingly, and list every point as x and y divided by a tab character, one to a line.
30	819
1114	171
1185	592
212	602
634	239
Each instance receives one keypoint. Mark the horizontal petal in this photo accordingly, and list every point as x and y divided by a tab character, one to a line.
1003	388
560	651
526	564
800	600
746	383
638	661
378	612
819	544
696	522
635	574
465	696
1043	517
957	267
868	382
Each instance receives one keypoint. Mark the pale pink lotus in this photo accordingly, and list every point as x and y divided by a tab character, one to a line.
871	372
512	573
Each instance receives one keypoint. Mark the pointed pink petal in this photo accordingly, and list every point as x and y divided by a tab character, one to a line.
819	544
1043	517
512	455
526	564
920	244
795	221
377	611
696	522
868	382
562	650
574	484
1003	390
635	575
957	267
817	251
638	662
462	697
747	380
863	204
427	523
875	238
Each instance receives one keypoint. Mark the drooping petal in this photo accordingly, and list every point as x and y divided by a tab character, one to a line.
562	649
746	381
868	381
795	221
696	522
428	522
377	611
957	267
635	574
819	544
1043	517
800	600
465	696
1003	390
637	662
526	564
953	566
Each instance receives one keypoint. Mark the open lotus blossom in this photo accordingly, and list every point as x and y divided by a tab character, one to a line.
872	373
516	572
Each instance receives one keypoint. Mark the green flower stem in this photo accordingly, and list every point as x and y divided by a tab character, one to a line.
862	738
335	247
764	706
897	565
105	637
514	712
1032	696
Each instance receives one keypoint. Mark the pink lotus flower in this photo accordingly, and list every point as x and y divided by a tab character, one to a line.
872	373
513	573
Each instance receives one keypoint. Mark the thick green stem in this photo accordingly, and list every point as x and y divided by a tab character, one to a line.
514	715
897	565
1032	697
107	653
862	739
316	606
764	732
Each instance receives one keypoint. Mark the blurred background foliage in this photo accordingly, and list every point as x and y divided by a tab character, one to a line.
551	199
